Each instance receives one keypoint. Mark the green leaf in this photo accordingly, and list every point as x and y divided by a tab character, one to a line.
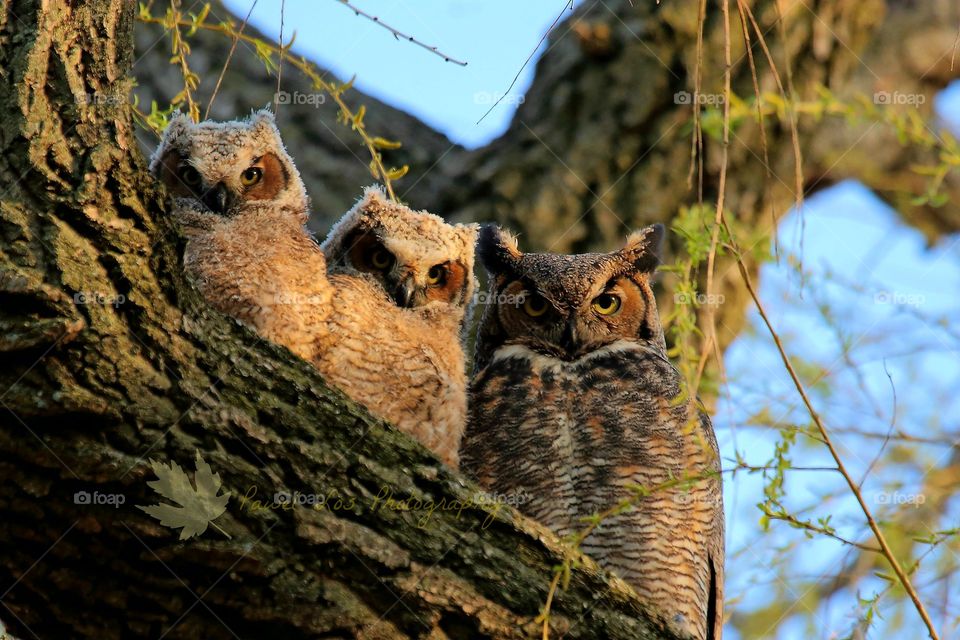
397	173
383	143
358	117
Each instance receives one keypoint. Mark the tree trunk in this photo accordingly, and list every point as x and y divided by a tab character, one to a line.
111	359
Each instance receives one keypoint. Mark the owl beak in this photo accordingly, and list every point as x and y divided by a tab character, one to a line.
406	292
217	198
568	339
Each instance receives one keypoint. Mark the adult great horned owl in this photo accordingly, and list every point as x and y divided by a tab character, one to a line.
573	403
242	205
417	257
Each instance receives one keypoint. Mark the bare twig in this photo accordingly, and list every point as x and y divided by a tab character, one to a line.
401	36
823	531
789	98
748	46
696	142
893	424
226	64
709	322
276	94
821	427
953	52
567	5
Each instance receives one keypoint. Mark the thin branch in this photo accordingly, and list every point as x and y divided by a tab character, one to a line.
401	36
567	5
953	52
710	311
748	46
276	94
809	526
743	465
696	142
226	64
789	97
893	424
878	534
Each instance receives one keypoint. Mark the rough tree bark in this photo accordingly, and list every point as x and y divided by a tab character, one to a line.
109	357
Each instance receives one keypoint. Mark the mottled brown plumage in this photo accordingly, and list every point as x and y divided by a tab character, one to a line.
573	402
250	256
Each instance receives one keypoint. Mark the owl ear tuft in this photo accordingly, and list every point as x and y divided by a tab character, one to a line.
263	121
179	121
373	196
264	116
177	127
497	249
644	247
468	233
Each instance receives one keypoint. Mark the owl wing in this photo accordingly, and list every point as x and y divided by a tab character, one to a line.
715	597
716	550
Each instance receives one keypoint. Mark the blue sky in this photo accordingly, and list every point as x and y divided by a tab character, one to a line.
449	97
875	276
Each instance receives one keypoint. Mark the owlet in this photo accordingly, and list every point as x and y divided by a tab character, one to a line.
242	205
417	257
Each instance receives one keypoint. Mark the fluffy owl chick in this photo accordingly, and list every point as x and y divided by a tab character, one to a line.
242	205
573	403
417	257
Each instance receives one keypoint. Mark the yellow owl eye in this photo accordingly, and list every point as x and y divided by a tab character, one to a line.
435	275
381	259
606	304
251	176
535	306
190	176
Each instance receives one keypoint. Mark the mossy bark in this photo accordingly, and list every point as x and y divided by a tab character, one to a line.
109	358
